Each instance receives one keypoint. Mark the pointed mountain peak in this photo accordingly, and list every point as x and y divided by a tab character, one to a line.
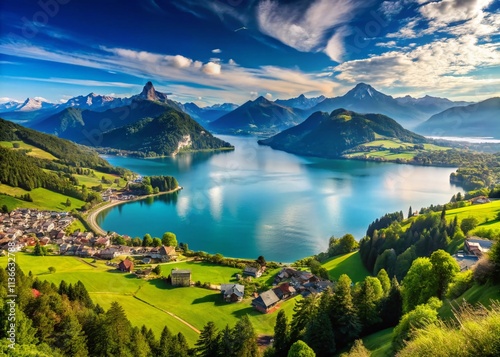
149	93
363	90
260	100
302	96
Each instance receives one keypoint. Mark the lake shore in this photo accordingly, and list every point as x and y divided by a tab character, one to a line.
91	216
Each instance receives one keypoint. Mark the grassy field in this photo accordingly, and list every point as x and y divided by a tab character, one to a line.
35	152
379	343
477	294
146	301
349	264
204	272
96	180
42	199
486	214
388	144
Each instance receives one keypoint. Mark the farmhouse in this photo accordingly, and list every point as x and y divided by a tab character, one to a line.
180	277
232	292
252	271
265	301
477	246
284	291
126	265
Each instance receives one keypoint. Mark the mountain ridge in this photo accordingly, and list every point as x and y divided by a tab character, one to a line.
329	135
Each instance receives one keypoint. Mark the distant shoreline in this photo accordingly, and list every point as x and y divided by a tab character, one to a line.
91	217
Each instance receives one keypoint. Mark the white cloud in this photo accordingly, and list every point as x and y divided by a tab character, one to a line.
269	96
305	30
445	66
442	13
335	46
7	99
232	62
254	95
211	68
386	44
216	50
41	99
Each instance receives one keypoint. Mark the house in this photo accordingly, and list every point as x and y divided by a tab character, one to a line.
180	277
477	246
232	292
109	253
252	271
480	200
284	291
265	301
126	265
167	253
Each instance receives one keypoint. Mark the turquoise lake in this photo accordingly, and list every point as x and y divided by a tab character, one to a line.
258	201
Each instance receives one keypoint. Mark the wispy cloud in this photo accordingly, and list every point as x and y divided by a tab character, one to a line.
211	77
310	29
216	50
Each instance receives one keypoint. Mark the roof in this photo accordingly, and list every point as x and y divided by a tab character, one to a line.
267	298
230	289
485	244
167	250
180	271
250	269
126	264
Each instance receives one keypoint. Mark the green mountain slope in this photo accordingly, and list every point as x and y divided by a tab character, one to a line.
66	152
165	135
325	135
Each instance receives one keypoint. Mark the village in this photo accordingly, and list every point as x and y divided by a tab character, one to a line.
28	227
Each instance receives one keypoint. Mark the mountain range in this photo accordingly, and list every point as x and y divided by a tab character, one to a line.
301	102
329	135
481	119
259	116
148	123
408	111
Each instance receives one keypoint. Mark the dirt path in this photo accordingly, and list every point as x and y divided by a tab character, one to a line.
171	314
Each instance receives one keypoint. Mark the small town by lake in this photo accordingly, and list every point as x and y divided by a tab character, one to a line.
258	201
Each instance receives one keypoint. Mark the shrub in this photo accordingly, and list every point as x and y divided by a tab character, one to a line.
462	282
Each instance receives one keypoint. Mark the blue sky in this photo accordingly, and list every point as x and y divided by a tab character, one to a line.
234	50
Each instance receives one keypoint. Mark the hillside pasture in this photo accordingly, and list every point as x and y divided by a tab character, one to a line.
43	199
349	264
35	152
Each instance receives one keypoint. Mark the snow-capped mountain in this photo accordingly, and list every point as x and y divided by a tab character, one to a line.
9	106
32	104
95	102
301	102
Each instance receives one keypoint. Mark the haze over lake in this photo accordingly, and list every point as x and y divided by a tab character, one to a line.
257	201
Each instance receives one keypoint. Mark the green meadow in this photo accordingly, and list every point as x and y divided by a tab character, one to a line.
486	213
43	199
35	152
149	301
349	264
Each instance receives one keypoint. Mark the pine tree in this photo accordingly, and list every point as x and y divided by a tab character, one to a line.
38	249
226	343
71	339
443	213
139	346
63	288
345	322
245	339
319	332
410	212
208	342
165	345
281	342
118	330
304	310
